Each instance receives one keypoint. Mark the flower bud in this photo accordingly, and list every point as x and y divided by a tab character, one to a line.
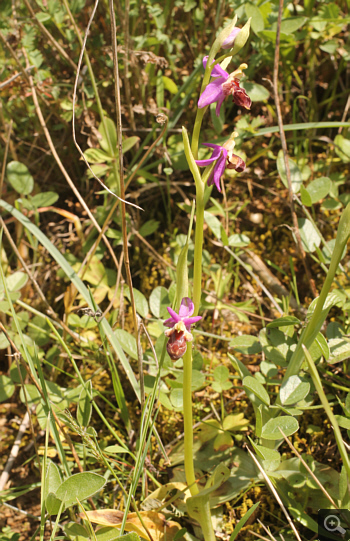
229	41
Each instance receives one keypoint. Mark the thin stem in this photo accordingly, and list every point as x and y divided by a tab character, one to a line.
188	422
122	194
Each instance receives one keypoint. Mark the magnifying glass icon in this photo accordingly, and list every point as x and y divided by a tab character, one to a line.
332	524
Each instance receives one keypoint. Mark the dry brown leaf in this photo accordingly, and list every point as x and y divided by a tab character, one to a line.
156	523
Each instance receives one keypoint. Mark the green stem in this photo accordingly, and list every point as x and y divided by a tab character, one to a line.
188	422
198	247
196	131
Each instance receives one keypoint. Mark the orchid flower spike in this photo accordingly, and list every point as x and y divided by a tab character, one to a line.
224	157
179	332
224	85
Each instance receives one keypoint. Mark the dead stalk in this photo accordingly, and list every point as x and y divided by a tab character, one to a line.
122	193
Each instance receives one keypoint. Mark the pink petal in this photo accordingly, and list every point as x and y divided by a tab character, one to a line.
217	70
186	308
219	171
212	93
188	321
216	154
173	314
218	105
170	322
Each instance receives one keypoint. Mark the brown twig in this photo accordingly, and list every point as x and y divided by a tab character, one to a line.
122	191
126	65
5	156
285	152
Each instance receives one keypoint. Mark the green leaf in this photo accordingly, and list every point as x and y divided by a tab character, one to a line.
73	529
343	422
140	301
53	504
289	425
170	85
284	321
339	351
247	344
16	281
257	22
290	25
19	177
242	521
112	132
213	223
7	388
159	301
115	449
84	409
128	343
52	479
342	148
318	189
176	398
255	91
310	237
293	390
96	155
129	143
305	197
221	374
44	199
253	385
111	534
238	241
81	486
295	173
148	228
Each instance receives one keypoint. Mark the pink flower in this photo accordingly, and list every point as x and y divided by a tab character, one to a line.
223	86
180	328
224	157
186	310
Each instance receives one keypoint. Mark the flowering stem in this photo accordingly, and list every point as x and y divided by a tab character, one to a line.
196	131
188	422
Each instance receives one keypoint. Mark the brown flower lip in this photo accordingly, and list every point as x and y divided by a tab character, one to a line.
177	345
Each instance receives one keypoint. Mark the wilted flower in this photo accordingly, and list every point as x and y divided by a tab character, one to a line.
224	85
180	328
229	41
224	157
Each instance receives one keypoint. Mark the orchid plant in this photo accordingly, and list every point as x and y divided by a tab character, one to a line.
185	314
